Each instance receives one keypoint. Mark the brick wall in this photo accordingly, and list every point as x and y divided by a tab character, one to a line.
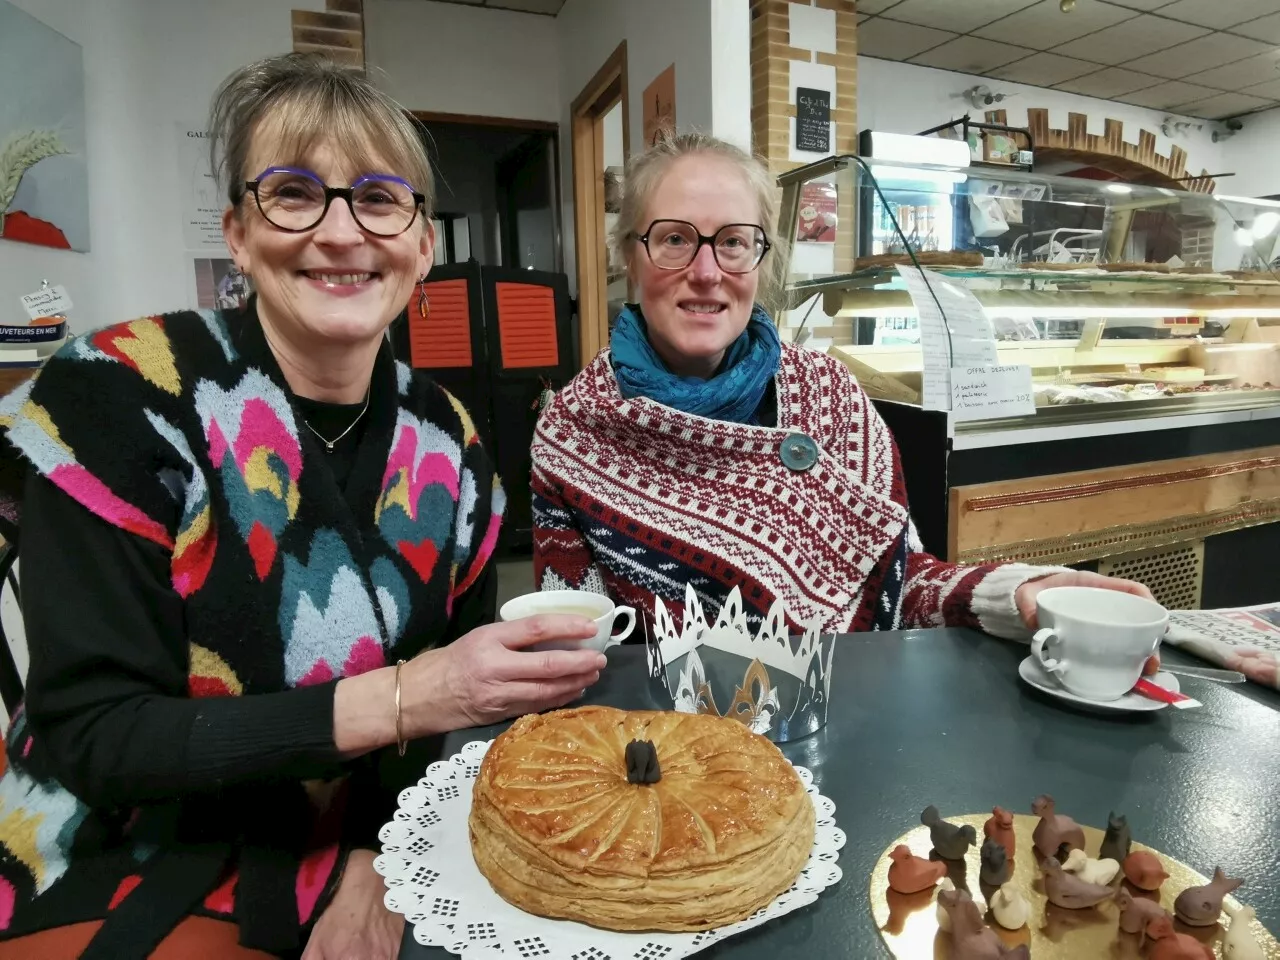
337	32
1197	245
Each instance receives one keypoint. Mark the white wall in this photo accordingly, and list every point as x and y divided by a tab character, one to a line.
904	98
137	87
449	58
1253	155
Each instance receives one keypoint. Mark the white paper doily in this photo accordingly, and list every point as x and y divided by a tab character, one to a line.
433	880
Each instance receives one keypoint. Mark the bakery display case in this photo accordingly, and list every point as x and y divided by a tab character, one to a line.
1149	318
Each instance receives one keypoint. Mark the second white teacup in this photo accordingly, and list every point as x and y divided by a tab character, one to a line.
581	603
1096	642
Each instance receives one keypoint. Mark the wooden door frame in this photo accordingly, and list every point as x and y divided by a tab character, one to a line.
607	87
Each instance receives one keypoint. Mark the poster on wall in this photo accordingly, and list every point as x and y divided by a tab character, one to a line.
817	217
44	181
201	205
813	120
660	105
219	285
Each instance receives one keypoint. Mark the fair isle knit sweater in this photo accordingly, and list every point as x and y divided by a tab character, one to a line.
635	499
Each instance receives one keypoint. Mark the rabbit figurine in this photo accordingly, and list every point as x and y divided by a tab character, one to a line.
1090	870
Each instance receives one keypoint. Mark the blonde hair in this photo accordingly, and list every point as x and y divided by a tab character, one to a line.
307	99
645	171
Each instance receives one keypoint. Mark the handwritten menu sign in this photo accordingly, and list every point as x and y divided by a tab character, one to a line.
50	302
813	120
955	331
990	391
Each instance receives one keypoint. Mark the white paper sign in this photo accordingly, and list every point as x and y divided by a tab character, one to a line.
987	392
954	332
51	302
201	204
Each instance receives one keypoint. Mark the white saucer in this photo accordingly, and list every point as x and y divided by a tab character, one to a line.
1032	673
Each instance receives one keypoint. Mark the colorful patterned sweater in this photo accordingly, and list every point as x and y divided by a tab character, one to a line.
634	499
182	431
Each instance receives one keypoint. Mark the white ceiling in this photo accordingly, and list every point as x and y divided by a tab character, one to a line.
1204	58
549	7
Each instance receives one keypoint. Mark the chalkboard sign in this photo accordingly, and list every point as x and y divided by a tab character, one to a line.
813	120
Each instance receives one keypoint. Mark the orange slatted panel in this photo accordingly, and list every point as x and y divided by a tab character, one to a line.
444	338
527	325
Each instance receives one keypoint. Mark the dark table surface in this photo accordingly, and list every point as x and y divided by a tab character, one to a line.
940	716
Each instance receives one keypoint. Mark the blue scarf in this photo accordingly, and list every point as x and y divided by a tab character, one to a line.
733	394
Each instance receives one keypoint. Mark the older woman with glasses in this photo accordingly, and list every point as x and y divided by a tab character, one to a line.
698	449
256	565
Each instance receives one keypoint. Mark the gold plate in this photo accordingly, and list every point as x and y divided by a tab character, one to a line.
909	925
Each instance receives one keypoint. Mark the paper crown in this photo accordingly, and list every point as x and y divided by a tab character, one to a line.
780	686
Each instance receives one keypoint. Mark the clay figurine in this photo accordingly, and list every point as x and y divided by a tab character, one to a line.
1010	907
996	868
970	937
1137	912
1000	829
1054	829
1090	870
1170	945
1115	845
1144	870
944	918
1239	943
911	874
1202	906
1067	890
950	841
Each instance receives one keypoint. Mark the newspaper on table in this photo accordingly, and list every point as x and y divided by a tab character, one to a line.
1238	638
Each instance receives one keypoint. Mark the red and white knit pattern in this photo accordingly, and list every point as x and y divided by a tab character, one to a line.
682	492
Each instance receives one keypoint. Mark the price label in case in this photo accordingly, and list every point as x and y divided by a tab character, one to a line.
990	391
51	302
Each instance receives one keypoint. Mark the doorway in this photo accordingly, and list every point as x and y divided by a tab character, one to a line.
601	144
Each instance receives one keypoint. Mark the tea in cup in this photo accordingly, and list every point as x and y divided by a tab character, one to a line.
576	603
1095	642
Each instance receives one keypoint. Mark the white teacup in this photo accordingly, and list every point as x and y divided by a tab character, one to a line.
582	603
1095	642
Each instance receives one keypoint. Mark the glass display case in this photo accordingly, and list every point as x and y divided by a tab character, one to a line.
1125	300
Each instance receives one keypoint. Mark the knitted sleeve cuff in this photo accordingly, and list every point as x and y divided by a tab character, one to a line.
993	599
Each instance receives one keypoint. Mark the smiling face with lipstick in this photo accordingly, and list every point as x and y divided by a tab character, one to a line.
333	230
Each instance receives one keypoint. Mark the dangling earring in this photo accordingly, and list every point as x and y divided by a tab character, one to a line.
423	303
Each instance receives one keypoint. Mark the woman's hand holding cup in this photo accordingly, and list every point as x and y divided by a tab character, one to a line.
491	674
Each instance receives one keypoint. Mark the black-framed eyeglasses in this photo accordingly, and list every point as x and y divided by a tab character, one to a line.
673	244
296	200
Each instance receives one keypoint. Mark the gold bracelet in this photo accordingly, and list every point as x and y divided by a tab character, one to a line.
400	744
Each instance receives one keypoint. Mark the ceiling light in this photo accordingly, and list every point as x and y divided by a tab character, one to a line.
1264	224
1066	6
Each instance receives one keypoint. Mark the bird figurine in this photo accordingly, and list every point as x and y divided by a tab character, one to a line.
1137	912
911	874
1067	890
1090	870
1240	943
1054	829
1170	945
944	918
1010	907
971	939
1144	870
996	868
950	841
1202	906
1116	843
999	827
